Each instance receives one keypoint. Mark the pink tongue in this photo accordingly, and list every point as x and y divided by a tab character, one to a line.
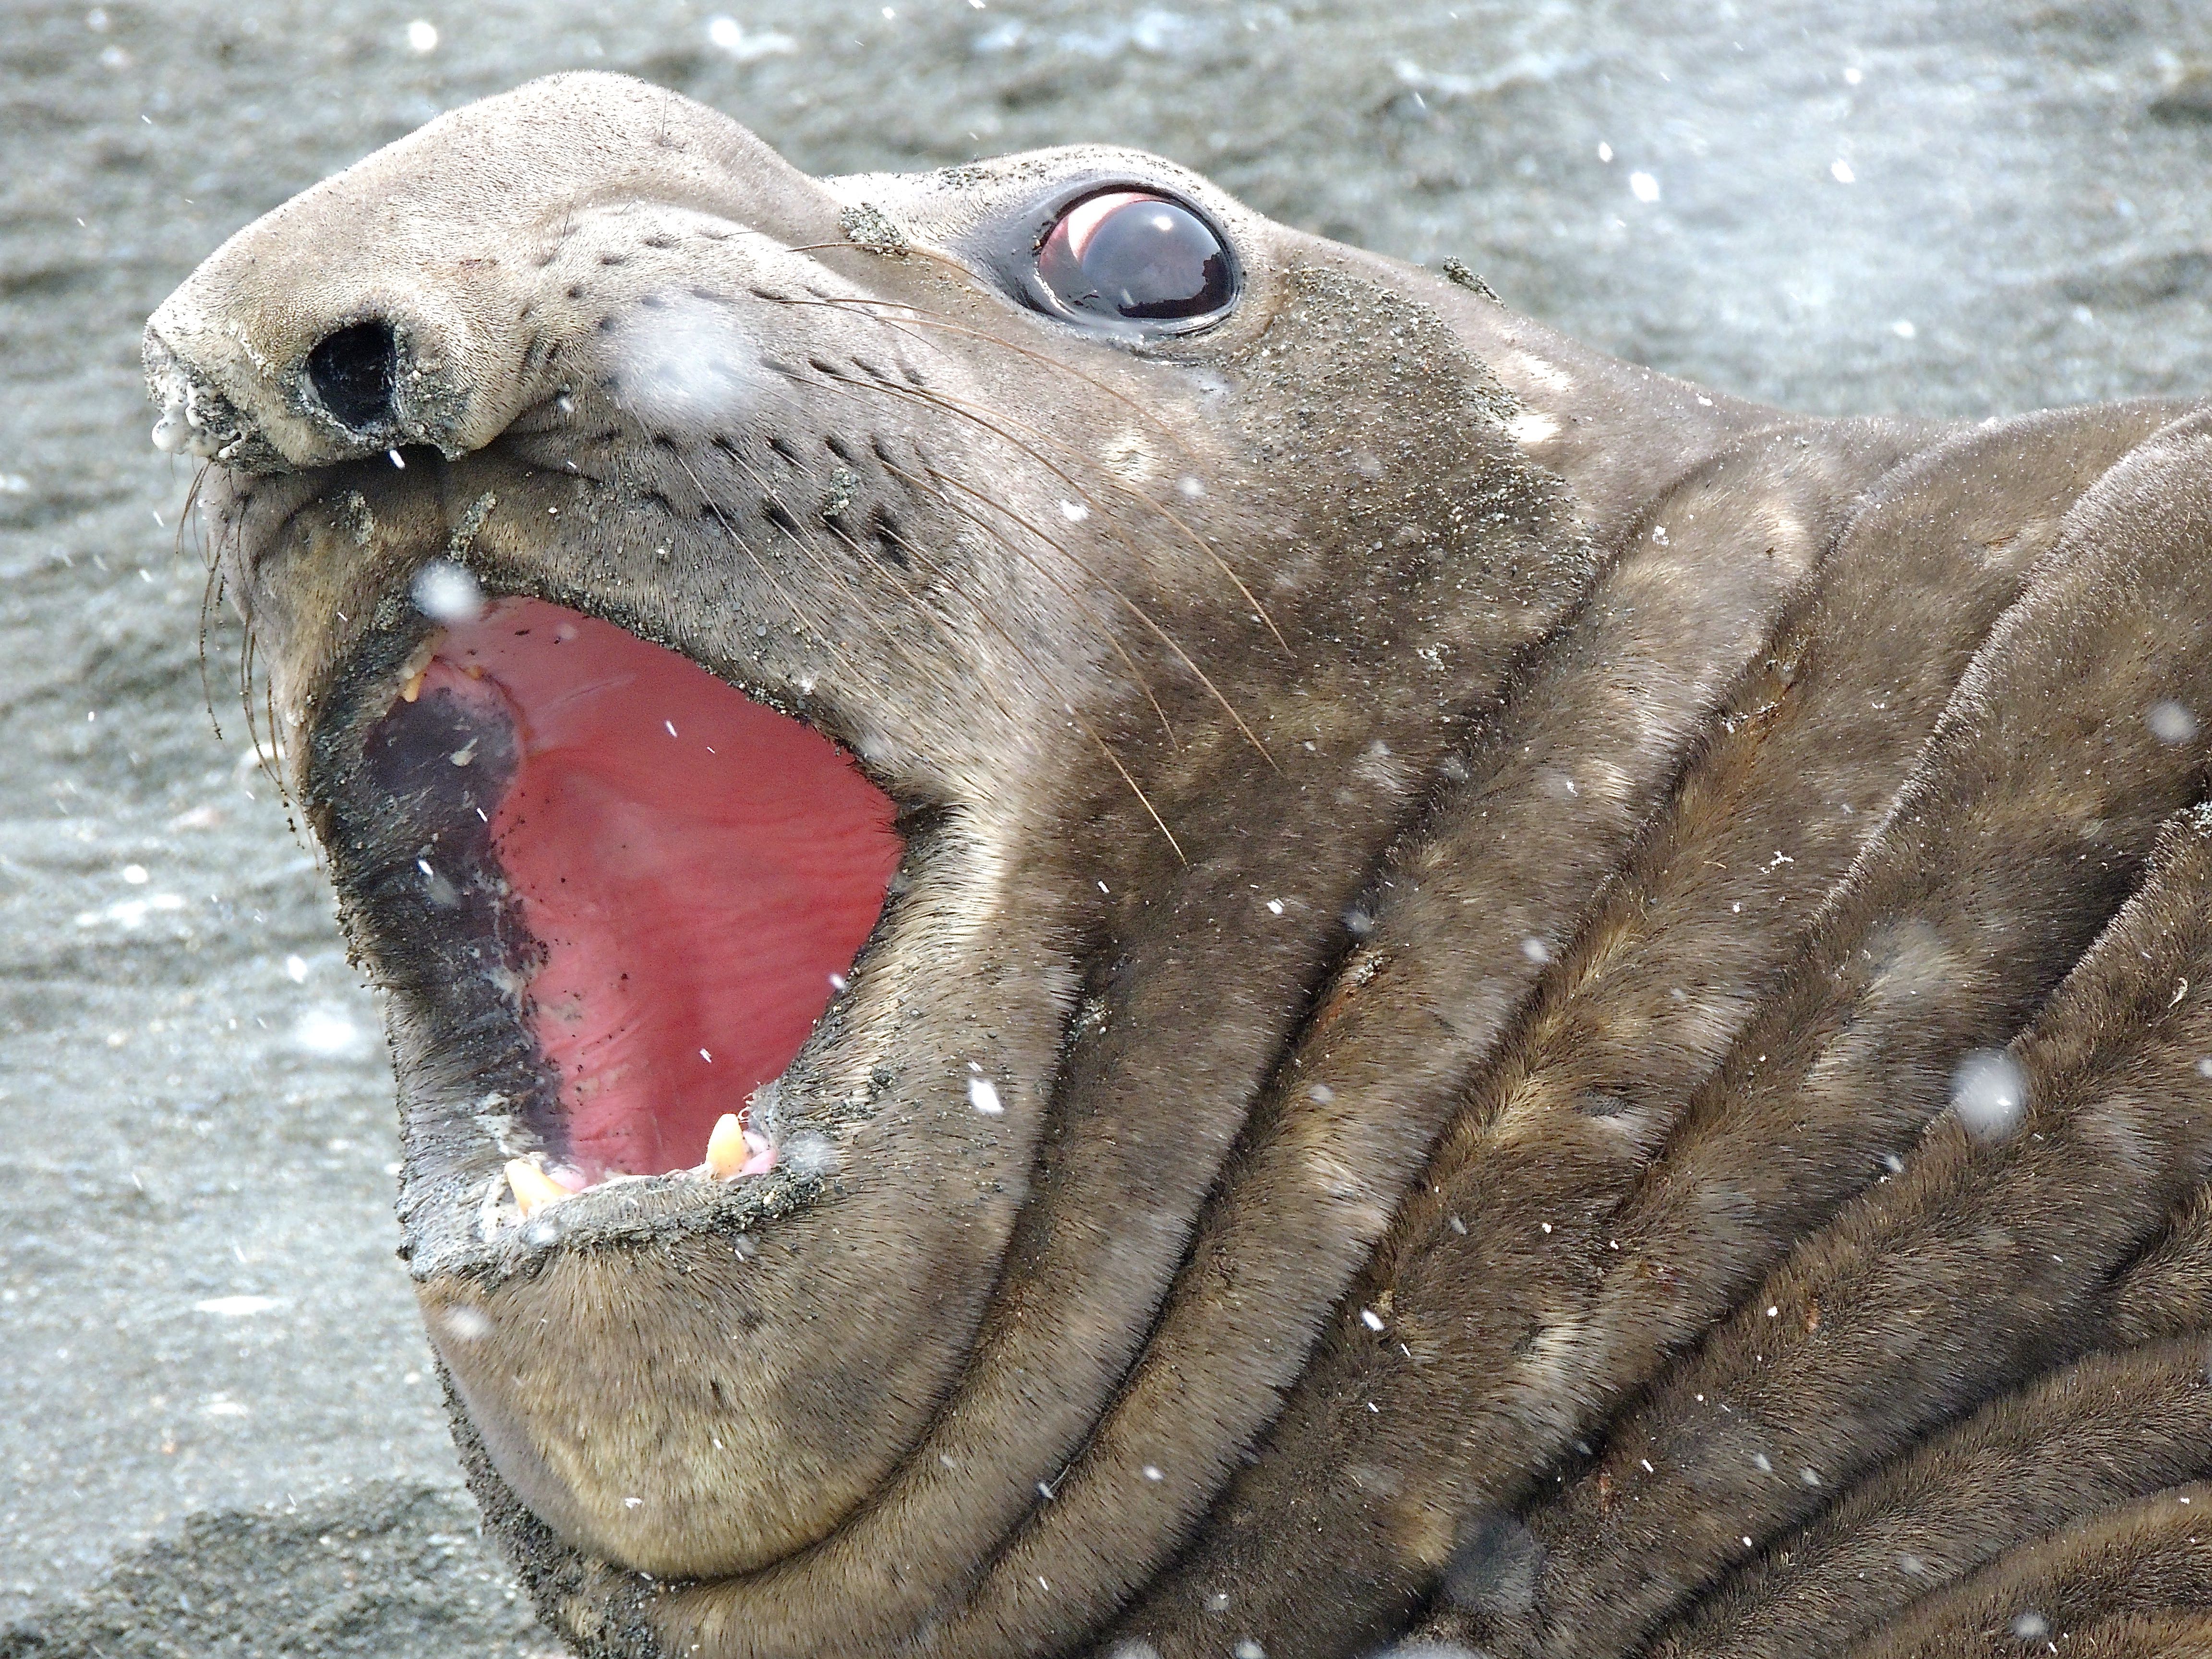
696	866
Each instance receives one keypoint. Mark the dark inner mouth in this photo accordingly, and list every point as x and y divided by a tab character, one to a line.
671	879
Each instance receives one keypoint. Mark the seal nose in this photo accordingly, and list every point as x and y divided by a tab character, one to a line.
196	419
410	299
352	371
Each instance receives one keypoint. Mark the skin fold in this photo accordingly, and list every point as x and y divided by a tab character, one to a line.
1470	871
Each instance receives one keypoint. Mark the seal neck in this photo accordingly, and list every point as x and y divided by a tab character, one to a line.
1620	434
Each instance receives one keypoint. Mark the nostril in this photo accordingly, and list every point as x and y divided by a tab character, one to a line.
352	373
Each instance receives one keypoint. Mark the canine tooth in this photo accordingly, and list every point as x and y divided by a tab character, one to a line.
417	666
728	1147
532	1185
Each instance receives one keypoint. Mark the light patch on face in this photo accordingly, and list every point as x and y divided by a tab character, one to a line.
1547	374
1604	779
1791	539
688	367
1129	457
1533	428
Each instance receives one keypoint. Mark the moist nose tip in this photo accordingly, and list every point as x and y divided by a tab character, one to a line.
353	370
195	418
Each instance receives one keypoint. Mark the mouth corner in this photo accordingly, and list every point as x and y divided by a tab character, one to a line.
612	898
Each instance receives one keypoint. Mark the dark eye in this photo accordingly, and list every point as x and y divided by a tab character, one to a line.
1137	257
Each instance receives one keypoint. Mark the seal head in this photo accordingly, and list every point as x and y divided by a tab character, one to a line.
889	673
1019	825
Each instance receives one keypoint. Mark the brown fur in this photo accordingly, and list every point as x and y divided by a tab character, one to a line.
1658	796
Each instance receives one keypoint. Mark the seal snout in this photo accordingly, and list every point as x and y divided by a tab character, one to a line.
433	293
196	419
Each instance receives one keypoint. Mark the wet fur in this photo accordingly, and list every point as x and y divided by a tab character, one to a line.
1662	795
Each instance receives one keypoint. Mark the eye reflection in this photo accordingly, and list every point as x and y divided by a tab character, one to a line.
1137	257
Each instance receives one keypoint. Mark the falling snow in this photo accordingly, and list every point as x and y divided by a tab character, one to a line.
2170	722
1988	1094
446	593
325	1031
691	366
729	35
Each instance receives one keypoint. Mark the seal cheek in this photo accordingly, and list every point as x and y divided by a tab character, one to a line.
507	1438
647	1416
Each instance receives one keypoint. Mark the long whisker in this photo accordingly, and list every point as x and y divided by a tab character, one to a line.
1106	749
1050	575
760	564
843	380
249	650
767	487
962	406
983	615
921	316
1135	610
211	588
1115	761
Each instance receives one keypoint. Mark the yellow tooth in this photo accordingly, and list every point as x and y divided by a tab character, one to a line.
532	1185
412	671
726	1151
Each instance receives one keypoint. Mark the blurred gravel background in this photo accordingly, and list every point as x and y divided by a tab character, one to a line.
218	1428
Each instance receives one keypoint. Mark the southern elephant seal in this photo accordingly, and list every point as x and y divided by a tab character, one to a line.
1111	931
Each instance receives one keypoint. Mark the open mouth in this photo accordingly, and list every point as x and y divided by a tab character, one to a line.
664	882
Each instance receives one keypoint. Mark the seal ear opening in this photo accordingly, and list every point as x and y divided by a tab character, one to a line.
353	371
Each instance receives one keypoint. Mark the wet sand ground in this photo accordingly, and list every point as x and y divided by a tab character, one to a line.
219	1432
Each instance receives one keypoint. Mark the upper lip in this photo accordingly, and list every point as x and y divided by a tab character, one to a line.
259	510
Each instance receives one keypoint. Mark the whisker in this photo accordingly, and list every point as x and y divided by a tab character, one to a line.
926	319
247	651
1052	576
1128	661
841	380
211	588
1115	761
758	563
962	406
874	616
984	615
924	608
1136	609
